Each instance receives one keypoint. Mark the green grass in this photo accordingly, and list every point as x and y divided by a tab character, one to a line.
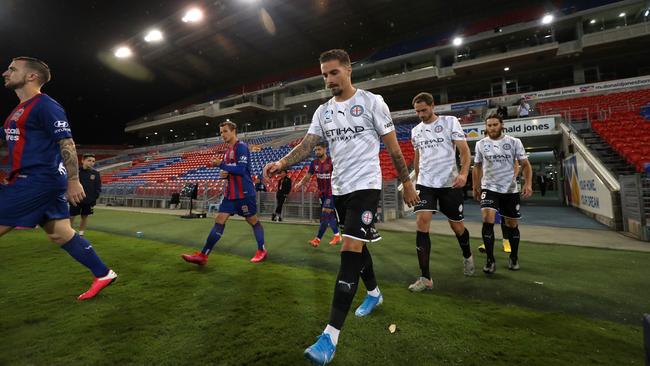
166	312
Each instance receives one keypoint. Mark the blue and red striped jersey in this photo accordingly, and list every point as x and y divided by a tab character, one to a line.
32	131
237	163
323	171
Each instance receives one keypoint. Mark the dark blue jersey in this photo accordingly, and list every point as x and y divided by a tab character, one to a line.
32	131
237	163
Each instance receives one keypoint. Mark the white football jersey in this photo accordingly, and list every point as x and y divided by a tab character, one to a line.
353	129
434	143
498	162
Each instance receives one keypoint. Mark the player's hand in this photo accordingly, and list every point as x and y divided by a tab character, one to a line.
223	174
460	181
410	196
272	168
75	192
477	193
527	191
216	161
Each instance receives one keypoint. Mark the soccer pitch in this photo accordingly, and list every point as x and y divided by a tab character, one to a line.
568	305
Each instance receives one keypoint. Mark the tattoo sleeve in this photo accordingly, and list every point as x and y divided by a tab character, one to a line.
302	151
69	155
390	140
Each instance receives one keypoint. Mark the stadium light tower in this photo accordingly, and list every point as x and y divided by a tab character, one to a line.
123	52
193	15
153	35
547	19
457	41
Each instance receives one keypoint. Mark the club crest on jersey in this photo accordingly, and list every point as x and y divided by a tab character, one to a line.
507	147
366	217
92	177
17	114
328	115
438	129
356	110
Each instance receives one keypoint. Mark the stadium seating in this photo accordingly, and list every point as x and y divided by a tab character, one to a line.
162	176
621	119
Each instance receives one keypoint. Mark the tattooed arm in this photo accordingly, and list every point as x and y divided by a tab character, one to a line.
298	154
410	196
75	192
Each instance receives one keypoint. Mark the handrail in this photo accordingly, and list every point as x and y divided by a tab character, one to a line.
611	182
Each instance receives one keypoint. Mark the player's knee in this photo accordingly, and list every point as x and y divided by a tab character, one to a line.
56	238
422	223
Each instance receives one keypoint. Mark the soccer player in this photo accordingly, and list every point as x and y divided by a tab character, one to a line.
352	122
494	170
239	196
44	169
284	188
439	184
92	183
322	167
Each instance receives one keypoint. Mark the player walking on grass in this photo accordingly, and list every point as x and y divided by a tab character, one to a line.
44	172
439	183
239	196
322	167
352	122
494	171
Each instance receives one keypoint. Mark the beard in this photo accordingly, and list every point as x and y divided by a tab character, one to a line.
426	118
15	85
495	135
336	90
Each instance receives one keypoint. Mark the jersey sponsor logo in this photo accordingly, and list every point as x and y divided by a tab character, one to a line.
498	157
323	176
356	110
12	134
389	124
507	147
344	134
366	217
17	114
437	129
61	124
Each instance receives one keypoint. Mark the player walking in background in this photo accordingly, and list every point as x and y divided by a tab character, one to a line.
91	181
322	167
284	188
239	196
44	169
439	183
352	122
494	171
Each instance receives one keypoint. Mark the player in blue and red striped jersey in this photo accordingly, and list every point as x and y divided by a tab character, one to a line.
238	197
44	169
322	167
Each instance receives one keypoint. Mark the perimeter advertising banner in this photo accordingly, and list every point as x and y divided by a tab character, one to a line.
516	128
584	190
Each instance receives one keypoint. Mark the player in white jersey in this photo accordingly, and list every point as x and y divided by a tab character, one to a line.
353	122
438	182
494	183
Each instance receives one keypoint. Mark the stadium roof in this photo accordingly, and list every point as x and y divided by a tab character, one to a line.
238	43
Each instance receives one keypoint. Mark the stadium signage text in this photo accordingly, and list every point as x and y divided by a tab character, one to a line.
584	189
524	127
